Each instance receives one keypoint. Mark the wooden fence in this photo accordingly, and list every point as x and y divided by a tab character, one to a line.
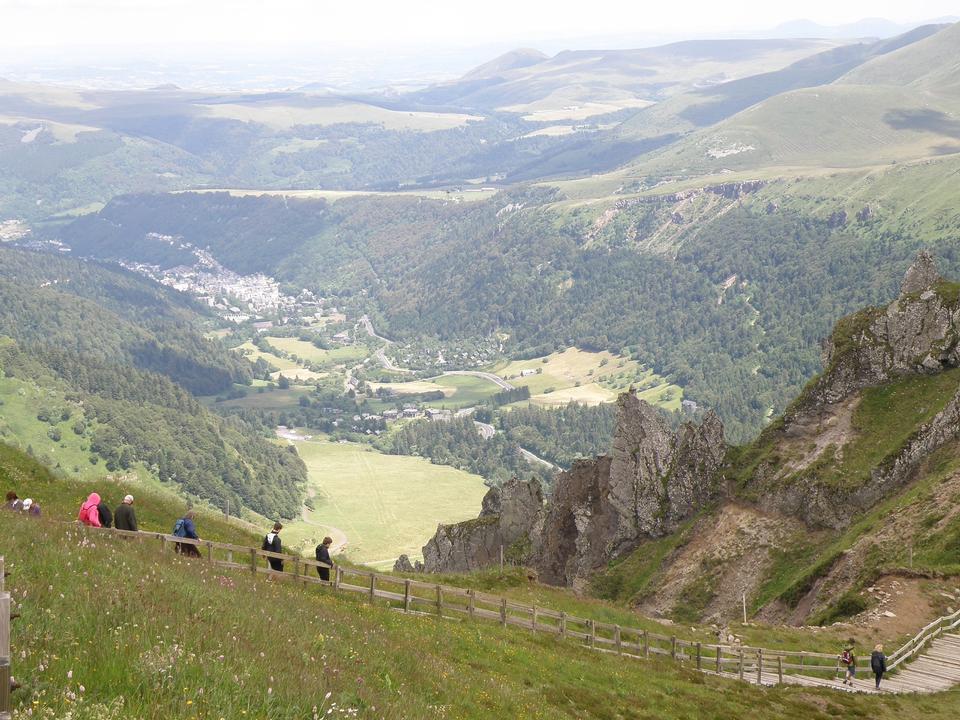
411	595
759	665
5	702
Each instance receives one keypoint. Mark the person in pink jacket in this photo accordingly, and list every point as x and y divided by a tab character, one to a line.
88	511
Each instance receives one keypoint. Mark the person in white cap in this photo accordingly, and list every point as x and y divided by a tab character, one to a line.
31	508
124	518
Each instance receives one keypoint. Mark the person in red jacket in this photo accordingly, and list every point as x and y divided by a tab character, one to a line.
89	515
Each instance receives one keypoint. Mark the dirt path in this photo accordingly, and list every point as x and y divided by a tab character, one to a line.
338	535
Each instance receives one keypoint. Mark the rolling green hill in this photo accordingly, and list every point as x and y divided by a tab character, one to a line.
894	107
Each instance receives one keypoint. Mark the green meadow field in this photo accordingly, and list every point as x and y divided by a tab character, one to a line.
385	505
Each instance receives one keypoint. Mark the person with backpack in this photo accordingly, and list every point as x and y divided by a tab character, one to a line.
185	528
849	660
323	555
271	543
124	516
106	517
88	514
878	663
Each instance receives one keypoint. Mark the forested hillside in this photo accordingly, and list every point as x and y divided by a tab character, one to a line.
118	359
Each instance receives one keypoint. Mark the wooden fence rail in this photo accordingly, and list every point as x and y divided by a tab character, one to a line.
5	701
760	665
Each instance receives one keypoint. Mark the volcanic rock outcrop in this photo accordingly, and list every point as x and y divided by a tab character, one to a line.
918	333
652	480
510	518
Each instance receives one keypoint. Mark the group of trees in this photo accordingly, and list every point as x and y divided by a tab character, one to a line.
132	359
457	442
533	279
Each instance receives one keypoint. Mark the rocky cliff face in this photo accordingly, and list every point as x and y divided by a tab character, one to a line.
652	480
510	518
918	332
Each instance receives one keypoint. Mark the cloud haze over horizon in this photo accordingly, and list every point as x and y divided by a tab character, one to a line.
279	25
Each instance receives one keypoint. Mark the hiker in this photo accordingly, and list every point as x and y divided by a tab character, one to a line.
849	660
88	514
186	528
31	508
878	663
124	518
13	502
271	543
106	517
323	555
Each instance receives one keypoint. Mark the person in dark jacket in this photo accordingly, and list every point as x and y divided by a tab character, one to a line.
106	517
878	663
186	528
271	543
323	555
124	518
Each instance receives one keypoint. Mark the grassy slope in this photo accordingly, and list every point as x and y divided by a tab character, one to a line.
385	504
115	619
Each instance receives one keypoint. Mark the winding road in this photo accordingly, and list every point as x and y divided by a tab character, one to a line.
496	379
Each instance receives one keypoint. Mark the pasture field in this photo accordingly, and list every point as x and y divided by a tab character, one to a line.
280	116
459	391
587	377
254	353
270	398
471	195
386	505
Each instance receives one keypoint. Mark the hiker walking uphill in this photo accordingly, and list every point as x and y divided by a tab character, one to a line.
849	660
88	514
124	518
323	555
878	663
271	543
185	528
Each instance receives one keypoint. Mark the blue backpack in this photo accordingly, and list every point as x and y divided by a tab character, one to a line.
180	529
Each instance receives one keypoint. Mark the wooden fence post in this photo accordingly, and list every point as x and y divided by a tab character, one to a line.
209	545
406	596
471	603
646	644
230	556
673	647
740	670
5	702
503	612
719	661
337	577
759	666
253	560
163	543
780	669
617	640
440	600
296	568
593	633
373	586
534	623
2	573
699	656
563	624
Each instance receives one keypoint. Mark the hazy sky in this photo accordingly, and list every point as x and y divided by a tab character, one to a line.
366	24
